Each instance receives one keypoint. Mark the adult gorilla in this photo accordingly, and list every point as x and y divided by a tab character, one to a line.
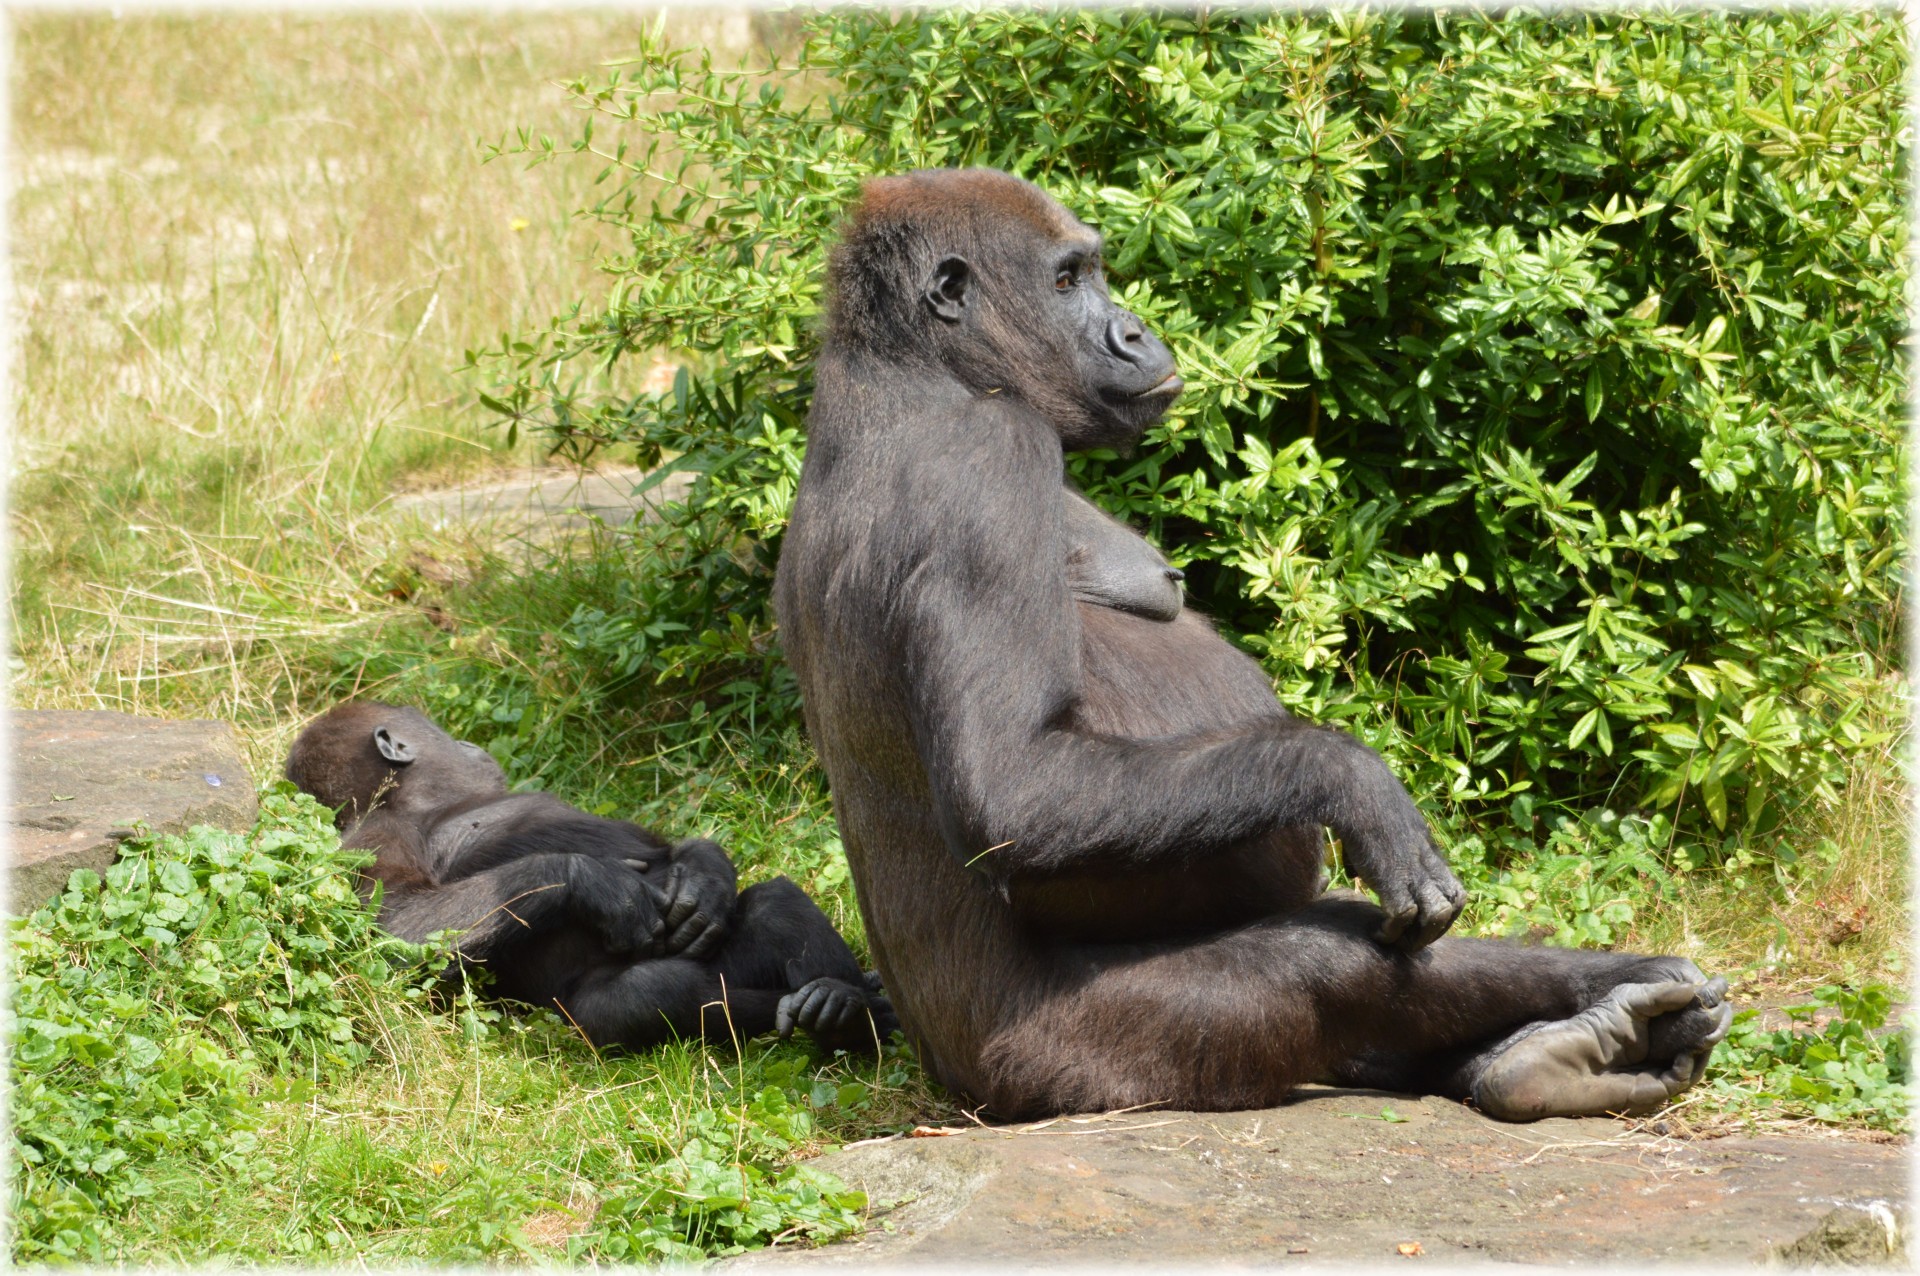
1086	841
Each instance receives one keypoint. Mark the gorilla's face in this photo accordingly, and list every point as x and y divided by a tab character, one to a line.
1017	302
1126	376
363	753
432	763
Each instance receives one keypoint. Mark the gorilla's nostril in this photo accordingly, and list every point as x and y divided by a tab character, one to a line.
1125	337
1174	573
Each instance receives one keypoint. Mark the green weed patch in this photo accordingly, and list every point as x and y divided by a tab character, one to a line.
1836	1061
182	1020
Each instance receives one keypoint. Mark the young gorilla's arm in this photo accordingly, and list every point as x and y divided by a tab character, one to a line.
500	905
991	639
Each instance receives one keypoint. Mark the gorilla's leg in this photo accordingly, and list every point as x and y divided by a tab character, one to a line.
646	1003
1547	1067
779	948
1238	1021
781	939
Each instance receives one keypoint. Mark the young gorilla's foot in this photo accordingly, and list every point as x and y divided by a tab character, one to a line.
837	1014
1637	1047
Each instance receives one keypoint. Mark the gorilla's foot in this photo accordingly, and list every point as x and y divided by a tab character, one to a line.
837	1014
1637	1047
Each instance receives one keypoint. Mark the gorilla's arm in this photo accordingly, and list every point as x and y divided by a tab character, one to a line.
992	641
496	908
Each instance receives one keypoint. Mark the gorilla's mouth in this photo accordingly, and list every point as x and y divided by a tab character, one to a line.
1171	387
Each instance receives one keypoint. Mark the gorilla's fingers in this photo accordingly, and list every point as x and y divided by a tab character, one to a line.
1679	1075
686	902
1647	1091
1397	903
803	1003
1713	992
1722	1024
817	1001
783	1015
700	936
1436	915
707	941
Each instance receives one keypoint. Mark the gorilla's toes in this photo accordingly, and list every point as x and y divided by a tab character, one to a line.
1692	1032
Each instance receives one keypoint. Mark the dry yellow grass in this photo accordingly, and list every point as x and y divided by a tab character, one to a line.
249	255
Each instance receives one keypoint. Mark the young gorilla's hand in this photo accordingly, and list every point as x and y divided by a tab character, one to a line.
837	1014
620	904
829	1009
698	893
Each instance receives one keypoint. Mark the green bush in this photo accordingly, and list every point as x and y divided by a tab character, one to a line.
1545	408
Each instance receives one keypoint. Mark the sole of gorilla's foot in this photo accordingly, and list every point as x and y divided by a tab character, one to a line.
1597	1063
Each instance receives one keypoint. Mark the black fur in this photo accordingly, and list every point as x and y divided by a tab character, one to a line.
1087	842
634	940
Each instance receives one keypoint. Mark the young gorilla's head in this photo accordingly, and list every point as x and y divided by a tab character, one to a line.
994	279
358	753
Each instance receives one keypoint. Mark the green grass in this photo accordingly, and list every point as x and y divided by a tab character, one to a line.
215	1051
251	253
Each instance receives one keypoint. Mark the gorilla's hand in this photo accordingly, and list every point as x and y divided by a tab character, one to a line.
1393	853
699	891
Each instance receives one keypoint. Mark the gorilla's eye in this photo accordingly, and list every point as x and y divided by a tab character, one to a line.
1063	281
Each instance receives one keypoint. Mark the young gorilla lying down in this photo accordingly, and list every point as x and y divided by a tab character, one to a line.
632	940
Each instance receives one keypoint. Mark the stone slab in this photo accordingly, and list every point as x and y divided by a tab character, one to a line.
545	502
82	777
1326	1181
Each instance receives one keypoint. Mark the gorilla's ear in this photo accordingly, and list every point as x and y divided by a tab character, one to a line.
392	747
949	288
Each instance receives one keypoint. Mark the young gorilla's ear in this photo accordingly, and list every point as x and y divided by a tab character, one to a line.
392	747
948	288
